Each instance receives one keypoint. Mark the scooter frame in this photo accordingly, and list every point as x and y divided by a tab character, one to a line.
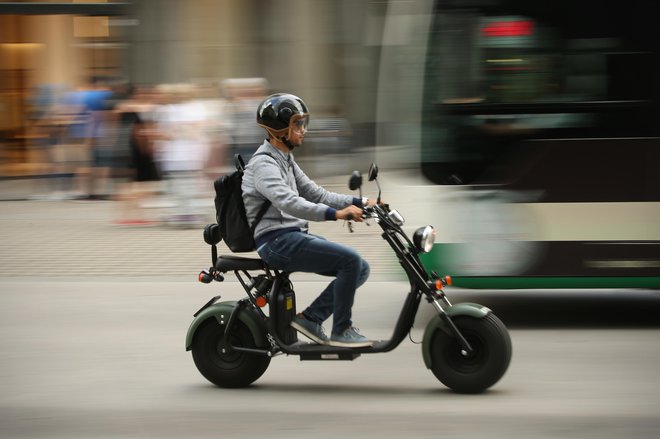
421	285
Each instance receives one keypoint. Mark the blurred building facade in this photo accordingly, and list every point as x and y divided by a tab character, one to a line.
324	50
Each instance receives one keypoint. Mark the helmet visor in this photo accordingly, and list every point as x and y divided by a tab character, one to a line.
299	123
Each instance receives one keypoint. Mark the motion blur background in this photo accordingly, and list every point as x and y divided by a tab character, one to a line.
231	53
534	123
526	131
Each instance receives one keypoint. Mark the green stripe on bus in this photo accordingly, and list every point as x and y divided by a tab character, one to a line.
436	260
533	282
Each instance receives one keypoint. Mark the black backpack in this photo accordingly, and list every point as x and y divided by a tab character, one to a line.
234	228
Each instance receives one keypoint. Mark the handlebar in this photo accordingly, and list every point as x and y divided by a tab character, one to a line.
372	212
368	212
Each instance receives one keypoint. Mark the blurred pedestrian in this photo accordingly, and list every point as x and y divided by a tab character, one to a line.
44	134
86	110
135	157
217	128
182	155
244	95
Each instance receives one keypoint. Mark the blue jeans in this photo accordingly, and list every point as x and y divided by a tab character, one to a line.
299	251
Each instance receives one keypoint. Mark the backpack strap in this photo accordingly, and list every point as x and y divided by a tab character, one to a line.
239	162
260	214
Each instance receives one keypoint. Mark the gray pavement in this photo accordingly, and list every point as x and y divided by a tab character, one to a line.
93	319
88	359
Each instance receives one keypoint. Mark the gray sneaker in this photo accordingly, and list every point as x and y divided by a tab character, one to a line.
313	331
350	338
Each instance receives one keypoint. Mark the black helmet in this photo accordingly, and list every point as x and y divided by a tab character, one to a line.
279	111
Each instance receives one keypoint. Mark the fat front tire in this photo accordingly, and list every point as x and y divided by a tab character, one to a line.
229	369
476	372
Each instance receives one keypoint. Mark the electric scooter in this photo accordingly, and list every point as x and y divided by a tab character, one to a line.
465	345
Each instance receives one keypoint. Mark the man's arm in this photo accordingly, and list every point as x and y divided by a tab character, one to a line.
270	183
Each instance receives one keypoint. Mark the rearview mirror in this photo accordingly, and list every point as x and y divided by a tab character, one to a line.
355	182
373	172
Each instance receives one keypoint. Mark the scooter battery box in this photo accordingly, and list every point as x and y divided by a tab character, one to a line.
286	311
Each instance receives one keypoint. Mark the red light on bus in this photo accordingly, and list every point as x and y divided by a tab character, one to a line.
520	28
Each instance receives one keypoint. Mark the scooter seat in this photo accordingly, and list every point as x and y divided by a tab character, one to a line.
231	263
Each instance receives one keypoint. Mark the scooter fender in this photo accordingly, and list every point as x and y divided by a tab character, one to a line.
460	309
221	312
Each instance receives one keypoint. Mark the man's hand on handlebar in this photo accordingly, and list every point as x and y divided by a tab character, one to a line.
351	212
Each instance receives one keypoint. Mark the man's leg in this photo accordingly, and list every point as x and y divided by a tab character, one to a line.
308	253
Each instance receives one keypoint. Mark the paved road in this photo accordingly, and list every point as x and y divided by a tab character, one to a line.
96	359
93	318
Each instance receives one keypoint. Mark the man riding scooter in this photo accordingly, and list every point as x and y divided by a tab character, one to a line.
282	236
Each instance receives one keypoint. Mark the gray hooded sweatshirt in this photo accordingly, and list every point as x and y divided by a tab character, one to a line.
295	198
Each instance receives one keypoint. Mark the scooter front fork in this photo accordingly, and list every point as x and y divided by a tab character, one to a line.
466	349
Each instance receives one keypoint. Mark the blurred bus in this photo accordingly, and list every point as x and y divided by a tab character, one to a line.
536	126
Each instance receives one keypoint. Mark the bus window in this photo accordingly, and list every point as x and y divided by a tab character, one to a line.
517	71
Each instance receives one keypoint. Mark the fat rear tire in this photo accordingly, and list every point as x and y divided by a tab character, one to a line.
475	373
232	369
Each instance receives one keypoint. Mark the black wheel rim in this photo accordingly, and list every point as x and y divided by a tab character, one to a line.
469	363
223	356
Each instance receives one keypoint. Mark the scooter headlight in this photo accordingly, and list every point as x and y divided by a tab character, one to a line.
424	238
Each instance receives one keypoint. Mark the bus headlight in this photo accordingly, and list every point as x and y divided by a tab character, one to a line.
424	238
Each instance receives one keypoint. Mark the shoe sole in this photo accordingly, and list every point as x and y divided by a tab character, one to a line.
308	334
350	344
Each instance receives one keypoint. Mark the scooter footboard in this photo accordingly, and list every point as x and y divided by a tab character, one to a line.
221	312
460	309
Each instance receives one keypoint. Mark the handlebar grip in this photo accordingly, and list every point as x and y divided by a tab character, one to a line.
349	217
